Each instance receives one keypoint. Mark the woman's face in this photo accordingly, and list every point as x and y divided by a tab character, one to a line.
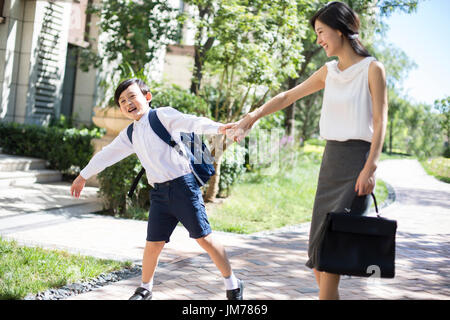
329	38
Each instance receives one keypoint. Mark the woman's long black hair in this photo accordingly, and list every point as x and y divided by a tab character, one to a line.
339	16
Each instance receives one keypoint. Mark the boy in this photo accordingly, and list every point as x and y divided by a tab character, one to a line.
176	195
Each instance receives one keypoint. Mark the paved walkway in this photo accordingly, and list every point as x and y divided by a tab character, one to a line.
272	264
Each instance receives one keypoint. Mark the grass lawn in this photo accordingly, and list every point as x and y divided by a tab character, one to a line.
395	155
267	201
262	202
438	168
25	270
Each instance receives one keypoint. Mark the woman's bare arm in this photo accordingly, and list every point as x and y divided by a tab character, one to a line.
378	91
313	84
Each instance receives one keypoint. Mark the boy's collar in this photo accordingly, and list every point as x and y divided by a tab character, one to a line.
144	117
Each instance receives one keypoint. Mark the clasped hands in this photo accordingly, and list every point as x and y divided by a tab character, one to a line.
237	131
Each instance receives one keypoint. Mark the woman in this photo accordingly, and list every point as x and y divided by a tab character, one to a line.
353	121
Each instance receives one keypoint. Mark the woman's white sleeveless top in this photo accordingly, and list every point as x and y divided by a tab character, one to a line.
347	104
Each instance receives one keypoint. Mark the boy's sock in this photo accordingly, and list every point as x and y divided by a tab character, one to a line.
231	282
148	285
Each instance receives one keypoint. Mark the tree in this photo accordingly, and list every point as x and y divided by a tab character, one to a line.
397	113
203	17
443	106
397	66
132	33
414	128
424	131
135	30
312	61
250	47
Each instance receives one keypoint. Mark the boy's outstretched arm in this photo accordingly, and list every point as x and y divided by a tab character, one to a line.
77	185
175	122
117	150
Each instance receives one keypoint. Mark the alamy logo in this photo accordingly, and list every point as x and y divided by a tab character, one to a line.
373	282
267	148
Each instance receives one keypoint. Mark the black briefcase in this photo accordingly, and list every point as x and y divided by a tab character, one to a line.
358	245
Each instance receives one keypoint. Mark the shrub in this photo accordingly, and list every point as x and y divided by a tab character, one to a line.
232	168
438	167
115	182
64	149
180	99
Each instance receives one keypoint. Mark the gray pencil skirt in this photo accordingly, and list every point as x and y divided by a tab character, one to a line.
341	164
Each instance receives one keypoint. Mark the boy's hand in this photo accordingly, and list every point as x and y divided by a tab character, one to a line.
77	186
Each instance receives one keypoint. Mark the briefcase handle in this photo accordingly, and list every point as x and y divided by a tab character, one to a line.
375	203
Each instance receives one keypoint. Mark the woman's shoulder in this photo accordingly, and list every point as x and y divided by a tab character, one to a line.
376	65
322	72
331	66
376	69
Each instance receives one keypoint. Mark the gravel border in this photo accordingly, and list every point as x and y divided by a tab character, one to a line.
86	286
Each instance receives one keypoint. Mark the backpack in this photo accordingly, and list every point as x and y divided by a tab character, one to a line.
200	158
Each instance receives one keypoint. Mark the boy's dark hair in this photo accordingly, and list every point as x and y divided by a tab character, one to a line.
340	16
125	84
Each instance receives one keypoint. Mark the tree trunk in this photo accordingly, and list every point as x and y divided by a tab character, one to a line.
289	113
197	73
213	187
217	153
390	138
199	57
304	133
289	119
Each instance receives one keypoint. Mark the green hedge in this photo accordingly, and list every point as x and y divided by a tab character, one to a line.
180	99
62	148
115	182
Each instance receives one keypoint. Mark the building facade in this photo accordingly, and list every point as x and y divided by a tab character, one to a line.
40	76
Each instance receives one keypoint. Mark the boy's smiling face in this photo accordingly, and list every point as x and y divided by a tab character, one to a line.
133	103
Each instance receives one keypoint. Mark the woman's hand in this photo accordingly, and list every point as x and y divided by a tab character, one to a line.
225	129
365	182
77	186
243	127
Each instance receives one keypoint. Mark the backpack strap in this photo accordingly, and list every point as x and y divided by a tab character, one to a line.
130	132
140	174
135	182
162	132
159	129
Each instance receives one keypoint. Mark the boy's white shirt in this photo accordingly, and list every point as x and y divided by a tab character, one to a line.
161	161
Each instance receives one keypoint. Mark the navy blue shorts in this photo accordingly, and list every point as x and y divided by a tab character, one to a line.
177	200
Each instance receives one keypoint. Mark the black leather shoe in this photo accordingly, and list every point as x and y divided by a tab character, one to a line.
141	294
238	293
